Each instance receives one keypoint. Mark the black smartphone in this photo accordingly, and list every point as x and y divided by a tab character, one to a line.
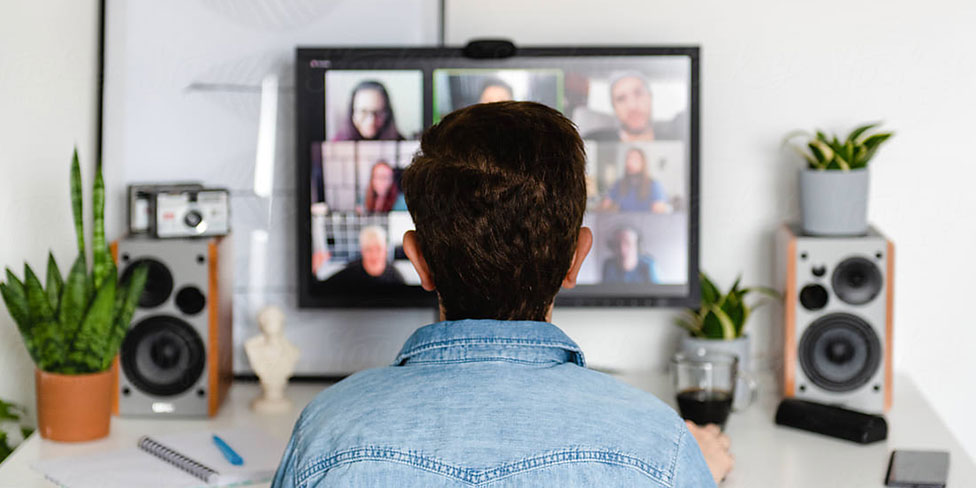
918	469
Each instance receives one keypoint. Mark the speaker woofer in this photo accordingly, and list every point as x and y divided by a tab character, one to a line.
840	352
159	282
163	356
856	281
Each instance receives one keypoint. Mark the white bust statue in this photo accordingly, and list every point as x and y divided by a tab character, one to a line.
273	360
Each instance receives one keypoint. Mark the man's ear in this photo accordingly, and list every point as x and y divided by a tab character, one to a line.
412	250
583	244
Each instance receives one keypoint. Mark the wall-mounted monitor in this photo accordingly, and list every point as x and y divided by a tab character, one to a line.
360	114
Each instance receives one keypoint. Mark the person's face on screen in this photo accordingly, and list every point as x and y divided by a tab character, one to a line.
495	93
632	104
382	179
369	112
635	163
374	257
626	249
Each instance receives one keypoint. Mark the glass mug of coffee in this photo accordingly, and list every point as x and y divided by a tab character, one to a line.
705	382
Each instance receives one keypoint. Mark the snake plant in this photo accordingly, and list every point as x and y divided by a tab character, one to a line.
832	153
721	315
75	325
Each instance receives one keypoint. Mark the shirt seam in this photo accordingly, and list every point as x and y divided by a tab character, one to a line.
483	359
442	344
673	467
482	477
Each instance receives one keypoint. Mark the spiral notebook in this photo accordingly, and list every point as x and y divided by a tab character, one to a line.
134	467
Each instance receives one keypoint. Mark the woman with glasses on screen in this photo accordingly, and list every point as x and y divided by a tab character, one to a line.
370	115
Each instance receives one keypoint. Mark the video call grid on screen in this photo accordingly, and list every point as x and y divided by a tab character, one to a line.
360	115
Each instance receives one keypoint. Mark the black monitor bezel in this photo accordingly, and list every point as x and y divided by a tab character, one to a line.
310	292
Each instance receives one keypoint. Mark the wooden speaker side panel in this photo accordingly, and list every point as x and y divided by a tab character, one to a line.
220	346
213	333
889	327
789	306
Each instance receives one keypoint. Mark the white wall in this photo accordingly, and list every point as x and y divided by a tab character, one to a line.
48	73
772	66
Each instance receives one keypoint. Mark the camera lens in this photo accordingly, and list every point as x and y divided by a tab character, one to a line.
193	218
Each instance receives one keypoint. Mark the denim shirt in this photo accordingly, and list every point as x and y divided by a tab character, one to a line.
487	403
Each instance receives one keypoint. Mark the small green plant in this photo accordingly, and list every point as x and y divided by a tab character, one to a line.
12	429
721	316
75	325
832	153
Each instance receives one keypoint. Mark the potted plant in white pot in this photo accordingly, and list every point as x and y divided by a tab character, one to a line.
719	324
834	184
73	326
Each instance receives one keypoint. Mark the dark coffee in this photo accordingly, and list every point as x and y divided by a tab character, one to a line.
705	406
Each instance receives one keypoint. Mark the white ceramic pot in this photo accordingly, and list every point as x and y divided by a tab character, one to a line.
833	202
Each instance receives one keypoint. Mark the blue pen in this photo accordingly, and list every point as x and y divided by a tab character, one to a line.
228	453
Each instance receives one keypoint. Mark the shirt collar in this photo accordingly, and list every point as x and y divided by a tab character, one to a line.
485	339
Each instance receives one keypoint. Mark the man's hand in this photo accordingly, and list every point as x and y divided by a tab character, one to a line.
714	446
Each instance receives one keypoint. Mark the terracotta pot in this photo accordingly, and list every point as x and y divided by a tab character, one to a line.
73	408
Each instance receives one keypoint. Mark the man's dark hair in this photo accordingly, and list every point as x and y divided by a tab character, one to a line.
497	194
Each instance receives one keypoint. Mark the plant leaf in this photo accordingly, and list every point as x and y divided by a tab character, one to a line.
90	343
817	153
10	411
872	144
740	328
736	310
794	134
876	140
101	259
15	296
840	158
812	161
37	303
76	203
735	285
684	323
765	290
728	328
5	450
825	149
74	298
835	145
710	293
852	137
126	300
50	343
48	336
711	326
53	282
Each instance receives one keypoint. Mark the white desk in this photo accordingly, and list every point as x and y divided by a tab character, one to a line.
766	455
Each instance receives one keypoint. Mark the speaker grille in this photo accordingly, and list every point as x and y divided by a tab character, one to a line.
856	281
163	356
159	282
840	352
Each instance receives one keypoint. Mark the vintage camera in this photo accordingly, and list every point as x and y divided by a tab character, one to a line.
178	210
